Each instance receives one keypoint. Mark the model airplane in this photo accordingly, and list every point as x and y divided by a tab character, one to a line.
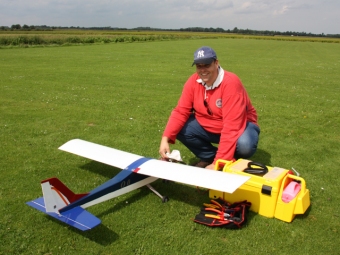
61	203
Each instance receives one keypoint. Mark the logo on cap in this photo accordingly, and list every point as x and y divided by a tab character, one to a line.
200	54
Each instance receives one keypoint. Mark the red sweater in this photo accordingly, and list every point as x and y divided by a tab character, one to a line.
229	103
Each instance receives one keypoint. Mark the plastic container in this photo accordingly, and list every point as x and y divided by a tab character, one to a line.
261	190
277	193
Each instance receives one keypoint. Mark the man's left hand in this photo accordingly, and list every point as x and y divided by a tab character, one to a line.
210	167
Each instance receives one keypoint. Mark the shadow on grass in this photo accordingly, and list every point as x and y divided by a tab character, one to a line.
262	156
122	204
100	234
305	215
102	169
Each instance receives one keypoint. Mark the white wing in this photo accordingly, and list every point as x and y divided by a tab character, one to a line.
201	177
100	153
210	179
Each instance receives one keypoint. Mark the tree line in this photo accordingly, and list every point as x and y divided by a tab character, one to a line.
189	29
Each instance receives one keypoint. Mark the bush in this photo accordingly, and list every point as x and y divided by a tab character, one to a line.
89	40
37	40
73	39
5	41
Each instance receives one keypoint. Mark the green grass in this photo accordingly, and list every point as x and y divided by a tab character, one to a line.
121	95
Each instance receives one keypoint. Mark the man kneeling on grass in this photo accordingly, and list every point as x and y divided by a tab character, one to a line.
214	108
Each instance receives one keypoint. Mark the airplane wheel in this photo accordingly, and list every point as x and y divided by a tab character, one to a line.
165	199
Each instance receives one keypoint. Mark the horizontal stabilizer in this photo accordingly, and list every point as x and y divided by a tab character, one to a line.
76	217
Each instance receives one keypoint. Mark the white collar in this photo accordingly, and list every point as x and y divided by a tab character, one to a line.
216	83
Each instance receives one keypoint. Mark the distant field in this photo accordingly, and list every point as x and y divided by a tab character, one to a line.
120	95
76	36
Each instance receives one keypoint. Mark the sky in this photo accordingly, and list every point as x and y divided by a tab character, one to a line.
310	16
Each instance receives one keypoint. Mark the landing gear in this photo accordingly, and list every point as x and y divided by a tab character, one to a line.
164	198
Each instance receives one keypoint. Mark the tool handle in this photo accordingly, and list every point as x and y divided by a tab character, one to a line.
259	168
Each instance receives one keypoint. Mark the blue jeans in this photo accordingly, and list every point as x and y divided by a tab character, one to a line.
199	141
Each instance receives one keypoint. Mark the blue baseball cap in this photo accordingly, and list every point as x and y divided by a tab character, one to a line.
204	55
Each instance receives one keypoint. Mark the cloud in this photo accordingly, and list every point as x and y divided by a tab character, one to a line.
281	11
279	15
167	7
212	5
249	7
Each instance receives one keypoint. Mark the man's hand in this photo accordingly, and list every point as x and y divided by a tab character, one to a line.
164	147
210	167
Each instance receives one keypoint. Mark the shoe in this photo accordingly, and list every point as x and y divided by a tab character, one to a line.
202	164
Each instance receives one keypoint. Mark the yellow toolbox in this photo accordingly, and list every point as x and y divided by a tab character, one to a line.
265	191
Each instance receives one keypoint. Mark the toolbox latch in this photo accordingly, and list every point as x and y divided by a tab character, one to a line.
266	190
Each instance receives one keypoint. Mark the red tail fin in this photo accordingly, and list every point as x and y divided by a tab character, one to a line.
63	189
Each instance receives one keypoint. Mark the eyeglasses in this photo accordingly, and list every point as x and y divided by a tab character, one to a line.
208	107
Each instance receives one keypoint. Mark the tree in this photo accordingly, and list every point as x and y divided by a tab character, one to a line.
17	26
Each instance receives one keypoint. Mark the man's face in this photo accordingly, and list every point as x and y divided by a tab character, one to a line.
208	73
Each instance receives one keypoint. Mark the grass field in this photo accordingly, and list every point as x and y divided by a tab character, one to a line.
121	95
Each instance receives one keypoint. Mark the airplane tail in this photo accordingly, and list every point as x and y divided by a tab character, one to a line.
56	196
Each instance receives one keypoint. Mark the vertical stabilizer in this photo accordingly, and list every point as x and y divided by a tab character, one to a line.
57	195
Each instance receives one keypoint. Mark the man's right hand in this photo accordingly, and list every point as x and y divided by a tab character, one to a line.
164	147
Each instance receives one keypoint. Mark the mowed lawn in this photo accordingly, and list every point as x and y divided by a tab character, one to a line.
120	95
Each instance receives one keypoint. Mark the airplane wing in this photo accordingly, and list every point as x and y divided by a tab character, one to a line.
210	179
100	153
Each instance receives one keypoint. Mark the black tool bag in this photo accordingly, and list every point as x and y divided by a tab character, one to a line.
220	213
